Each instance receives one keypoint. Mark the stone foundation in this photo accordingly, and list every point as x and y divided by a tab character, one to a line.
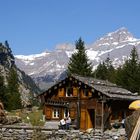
41	133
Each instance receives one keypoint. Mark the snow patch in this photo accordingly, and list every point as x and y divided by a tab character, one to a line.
132	39
31	73
103	52
91	54
104	44
121	46
69	53
31	57
32	63
115	43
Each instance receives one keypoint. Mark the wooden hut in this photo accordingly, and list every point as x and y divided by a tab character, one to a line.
91	103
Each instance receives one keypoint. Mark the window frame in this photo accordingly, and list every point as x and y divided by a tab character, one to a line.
56	113
68	113
86	92
69	89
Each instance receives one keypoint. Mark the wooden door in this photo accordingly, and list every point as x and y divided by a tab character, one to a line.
83	119
91	118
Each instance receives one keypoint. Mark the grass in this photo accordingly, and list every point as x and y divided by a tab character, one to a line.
32	117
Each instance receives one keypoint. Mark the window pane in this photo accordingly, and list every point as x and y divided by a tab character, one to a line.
66	113
55	113
69	91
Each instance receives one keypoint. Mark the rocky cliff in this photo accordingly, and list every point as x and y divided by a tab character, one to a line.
27	87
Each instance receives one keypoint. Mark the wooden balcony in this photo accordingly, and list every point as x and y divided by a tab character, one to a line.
57	103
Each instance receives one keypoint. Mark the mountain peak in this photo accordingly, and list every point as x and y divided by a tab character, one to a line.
112	39
122	34
64	46
122	29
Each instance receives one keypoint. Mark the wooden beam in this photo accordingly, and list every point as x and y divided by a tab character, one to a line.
60	84
102	125
78	109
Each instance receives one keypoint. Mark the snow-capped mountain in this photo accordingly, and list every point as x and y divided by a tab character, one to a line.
50	66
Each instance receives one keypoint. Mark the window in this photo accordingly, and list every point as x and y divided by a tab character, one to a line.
69	92
55	113
85	91
66	112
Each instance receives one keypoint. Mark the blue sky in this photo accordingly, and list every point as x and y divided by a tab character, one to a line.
33	26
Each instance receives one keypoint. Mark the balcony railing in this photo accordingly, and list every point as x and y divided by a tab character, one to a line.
57	103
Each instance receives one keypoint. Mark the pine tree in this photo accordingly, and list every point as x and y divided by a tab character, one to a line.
110	70
129	74
101	71
13	91
6	43
108	62
105	71
79	63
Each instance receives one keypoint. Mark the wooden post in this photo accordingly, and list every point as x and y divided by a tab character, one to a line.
78	110
102	125
95	114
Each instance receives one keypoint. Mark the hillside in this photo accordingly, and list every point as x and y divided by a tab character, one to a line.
27	87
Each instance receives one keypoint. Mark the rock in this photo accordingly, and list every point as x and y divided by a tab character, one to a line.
13	119
3	120
7	119
10	131
89	130
122	131
122	138
130	122
2	114
35	108
43	134
115	138
24	124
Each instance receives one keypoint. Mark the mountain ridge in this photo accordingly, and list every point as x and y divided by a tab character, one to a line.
117	44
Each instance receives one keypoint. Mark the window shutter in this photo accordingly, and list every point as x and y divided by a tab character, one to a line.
74	91
48	113
61	92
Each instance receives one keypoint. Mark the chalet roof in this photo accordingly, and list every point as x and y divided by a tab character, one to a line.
105	87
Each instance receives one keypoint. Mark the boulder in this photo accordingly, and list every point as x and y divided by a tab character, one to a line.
89	130
8	120
2	114
13	119
130	122
4	119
